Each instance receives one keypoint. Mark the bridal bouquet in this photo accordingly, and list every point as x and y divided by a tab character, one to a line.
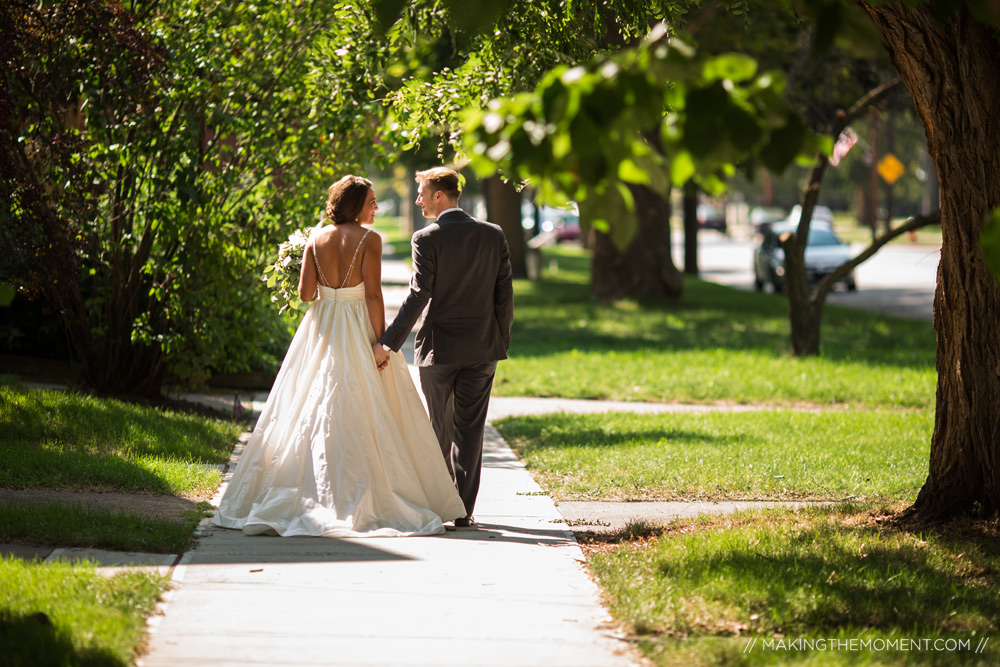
282	277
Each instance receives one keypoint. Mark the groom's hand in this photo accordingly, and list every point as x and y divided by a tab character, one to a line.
381	355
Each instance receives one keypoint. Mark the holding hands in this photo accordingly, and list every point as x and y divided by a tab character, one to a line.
381	356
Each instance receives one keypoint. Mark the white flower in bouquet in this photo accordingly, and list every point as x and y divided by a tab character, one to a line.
282	276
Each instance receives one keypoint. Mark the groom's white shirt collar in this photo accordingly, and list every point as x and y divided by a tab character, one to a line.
448	210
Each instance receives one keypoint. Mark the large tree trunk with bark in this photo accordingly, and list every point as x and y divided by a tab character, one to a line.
952	70
646	269
503	205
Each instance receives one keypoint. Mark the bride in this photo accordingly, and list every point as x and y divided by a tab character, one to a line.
341	448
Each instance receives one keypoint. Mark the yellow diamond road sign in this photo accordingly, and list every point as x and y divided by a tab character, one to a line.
890	168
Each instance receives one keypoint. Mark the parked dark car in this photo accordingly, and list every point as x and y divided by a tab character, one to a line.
711	216
824	253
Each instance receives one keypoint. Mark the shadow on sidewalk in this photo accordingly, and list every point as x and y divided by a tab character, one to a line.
228	547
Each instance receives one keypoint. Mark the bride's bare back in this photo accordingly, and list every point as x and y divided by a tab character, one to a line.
335	248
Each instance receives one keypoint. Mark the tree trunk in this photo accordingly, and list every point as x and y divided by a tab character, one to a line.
804	314
690	229
646	269
503	205
767	185
952	70
805	304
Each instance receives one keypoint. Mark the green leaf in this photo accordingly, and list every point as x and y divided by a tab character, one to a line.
784	144
772	107
825	144
989	242
631	172
743	129
611	212
561	146
682	167
554	100
656	170
387	12
712	184
593	169
736	67
474	18
704	126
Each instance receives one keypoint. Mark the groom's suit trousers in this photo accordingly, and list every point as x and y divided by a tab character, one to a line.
458	397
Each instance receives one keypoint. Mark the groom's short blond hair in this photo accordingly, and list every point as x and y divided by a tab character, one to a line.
442	179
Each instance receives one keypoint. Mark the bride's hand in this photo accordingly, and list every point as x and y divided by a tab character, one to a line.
381	356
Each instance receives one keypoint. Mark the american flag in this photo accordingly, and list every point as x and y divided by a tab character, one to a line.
844	144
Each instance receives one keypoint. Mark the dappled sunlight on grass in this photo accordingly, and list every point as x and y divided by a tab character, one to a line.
743	456
88	619
91	425
703	588
715	344
62	525
60	440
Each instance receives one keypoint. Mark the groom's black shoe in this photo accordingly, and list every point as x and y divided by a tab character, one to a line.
465	523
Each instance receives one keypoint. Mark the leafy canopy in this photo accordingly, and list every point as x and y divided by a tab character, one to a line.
652	115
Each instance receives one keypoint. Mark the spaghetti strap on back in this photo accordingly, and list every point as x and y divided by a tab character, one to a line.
353	259
322	279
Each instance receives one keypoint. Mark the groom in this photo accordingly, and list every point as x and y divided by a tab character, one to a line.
461	267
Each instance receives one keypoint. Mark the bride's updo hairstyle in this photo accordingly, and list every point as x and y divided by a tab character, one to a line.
346	199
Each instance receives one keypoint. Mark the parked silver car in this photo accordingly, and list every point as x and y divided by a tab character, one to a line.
820	214
711	216
762	217
824	253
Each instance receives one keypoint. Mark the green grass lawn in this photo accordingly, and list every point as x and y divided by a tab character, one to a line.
64	441
395	241
755	587
850	231
716	344
59	440
779	455
699	591
62	614
75	526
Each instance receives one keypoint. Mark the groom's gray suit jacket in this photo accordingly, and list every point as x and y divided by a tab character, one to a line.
461	266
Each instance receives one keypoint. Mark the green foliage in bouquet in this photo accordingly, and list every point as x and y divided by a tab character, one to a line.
282	275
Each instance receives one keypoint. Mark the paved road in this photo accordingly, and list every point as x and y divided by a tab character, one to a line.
899	280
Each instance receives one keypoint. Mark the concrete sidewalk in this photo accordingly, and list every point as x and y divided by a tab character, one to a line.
514	592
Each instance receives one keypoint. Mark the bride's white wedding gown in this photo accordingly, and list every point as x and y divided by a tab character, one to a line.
340	449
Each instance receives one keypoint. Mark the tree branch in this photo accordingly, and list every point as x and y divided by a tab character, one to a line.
873	96
826	284
811	194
